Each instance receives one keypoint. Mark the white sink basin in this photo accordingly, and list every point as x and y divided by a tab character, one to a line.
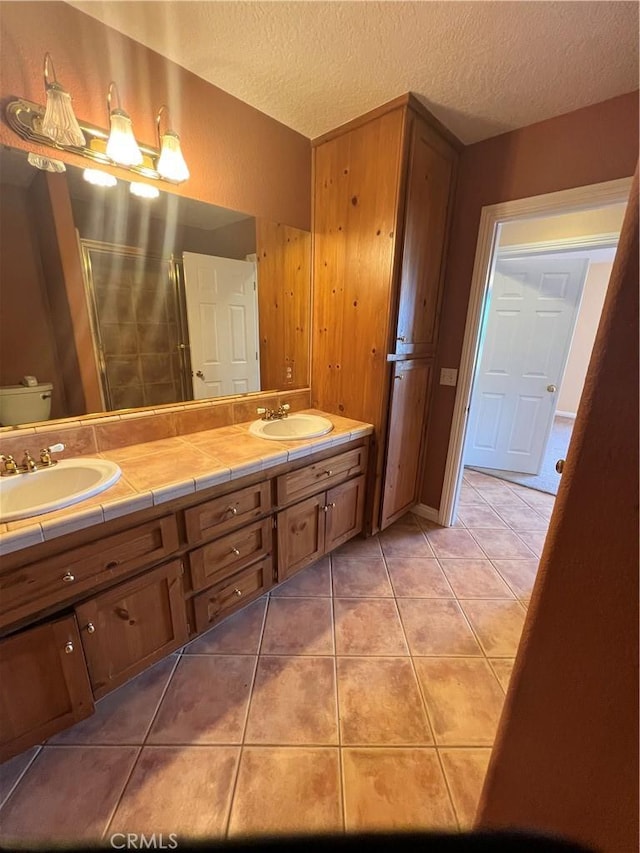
64	484
292	427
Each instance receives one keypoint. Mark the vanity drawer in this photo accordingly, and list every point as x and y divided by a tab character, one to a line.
65	575
214	604
218	560
222	514
321	475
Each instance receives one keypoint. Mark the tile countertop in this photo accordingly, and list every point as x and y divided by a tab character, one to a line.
159	471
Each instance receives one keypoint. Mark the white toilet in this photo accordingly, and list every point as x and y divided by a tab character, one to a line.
25	404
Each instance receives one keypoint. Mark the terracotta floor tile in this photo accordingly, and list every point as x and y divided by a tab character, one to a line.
498	625
293	701
463	697
12	770
465	770
74	800
534	539
540	501
470	496
501	544
503	667
395	789
519	574
183	790
436	626
406	541
380	702
368	626
521	518
238	635
360	547
475	579
480	516
477	478
206	702
418	577
498	498
449	543
360	578
298	626
287	790
314	580
124	716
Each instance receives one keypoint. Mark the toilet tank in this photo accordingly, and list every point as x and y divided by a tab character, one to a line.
20	404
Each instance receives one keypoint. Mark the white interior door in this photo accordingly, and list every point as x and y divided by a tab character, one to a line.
528	329
222	316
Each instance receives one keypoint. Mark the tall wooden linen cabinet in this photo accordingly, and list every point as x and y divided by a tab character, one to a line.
383	191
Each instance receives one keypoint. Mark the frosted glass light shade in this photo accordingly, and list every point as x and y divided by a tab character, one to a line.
143	190
99	178
45	163
122	147
171	163
59	122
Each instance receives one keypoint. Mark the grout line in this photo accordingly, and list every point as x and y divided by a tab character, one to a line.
341	779
119	798
20	777
448	787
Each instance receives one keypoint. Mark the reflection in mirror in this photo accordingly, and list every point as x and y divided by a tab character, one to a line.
125	302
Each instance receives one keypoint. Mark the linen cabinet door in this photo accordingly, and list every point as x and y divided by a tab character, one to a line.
300	535
428	193
131	626
44	685
345	509
407	423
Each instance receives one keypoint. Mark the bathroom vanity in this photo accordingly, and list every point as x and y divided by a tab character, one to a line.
84	612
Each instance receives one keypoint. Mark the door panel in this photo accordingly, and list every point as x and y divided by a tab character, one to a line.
222	316
344	514
528	329
300	535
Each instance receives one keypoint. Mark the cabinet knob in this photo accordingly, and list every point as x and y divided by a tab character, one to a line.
68	577
112	564
401	338
398	377
238	592
235	551
328	473
332	506
233	510
324	508
68	649
91	628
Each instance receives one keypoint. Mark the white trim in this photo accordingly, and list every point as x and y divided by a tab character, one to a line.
566	201
566	244
427	512
571	415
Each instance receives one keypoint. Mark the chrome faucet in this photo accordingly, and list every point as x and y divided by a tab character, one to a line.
274	414
28	463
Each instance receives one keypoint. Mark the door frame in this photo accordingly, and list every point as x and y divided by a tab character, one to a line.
491	216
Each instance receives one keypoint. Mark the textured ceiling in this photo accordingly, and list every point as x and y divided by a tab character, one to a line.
481	67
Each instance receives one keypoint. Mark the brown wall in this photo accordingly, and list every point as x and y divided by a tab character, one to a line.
566	756
238	157
588	146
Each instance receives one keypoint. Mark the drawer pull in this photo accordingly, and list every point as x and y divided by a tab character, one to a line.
232	509
91	628
324	508
235	551
237	592
328	473
68	649
68	577
112	564
332	506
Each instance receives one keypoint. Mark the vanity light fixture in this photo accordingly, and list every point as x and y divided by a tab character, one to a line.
122	147
143	190
171	164
99	178
45	163
59	122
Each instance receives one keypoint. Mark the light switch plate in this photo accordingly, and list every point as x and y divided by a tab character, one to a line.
448	376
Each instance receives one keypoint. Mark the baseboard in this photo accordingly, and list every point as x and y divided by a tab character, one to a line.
427	512
571	415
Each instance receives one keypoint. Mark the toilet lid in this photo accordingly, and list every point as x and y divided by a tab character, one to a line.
25	389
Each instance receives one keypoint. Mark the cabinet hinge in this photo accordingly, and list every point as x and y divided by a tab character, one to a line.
274	522
188	627
182	567
274	574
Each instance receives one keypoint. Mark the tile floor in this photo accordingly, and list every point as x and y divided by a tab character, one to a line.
362	694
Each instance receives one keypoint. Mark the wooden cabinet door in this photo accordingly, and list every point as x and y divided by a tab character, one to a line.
131	626
300	535
428	193
44	686
407	422
345	512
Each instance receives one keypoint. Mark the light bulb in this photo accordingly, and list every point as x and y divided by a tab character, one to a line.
98	178
122	147
143	190
171	163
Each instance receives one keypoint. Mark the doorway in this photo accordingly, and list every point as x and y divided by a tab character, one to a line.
503	237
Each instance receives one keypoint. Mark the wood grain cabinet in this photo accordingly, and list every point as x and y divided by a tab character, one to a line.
44	686
383	190
133	625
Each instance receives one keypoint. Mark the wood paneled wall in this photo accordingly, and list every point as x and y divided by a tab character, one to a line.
284	301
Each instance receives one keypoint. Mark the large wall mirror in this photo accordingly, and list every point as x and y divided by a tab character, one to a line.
124	302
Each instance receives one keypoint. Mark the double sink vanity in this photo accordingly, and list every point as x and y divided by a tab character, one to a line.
192	528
